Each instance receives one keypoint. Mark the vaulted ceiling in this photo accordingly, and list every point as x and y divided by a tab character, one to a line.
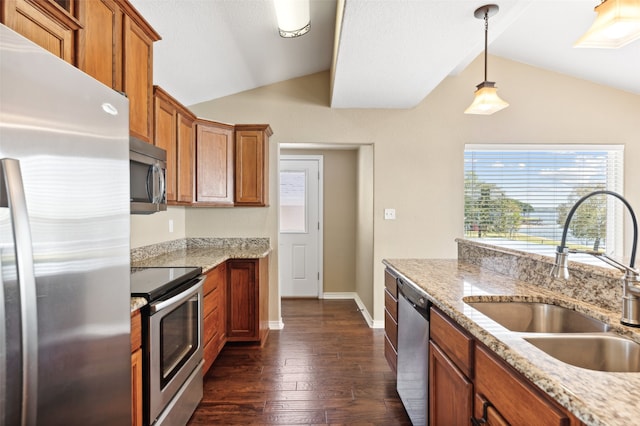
382	53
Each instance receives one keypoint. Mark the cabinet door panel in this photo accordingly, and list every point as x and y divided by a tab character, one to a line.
251	165
241	312
29	19
99	40
136	388
451	392
165	138
186	157
138	78
516	400
214	169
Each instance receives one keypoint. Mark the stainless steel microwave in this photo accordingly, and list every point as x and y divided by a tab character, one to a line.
148	165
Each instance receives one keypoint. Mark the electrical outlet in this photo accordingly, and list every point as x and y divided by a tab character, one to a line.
389	214
170	225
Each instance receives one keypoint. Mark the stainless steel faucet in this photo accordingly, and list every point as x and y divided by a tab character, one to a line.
631	278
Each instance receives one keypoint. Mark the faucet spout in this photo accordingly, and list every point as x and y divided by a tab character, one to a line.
631	279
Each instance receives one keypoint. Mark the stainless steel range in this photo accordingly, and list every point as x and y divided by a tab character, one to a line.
171	342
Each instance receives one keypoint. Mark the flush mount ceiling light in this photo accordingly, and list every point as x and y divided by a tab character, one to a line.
486	100
293	17
617	24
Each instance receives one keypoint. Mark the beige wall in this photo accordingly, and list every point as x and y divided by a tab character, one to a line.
339	214
418	162
154	228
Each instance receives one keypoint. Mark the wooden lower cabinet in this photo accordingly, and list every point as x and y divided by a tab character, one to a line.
466	379
451	399
214	334
450	372
514	399
136	369
391	320
248	300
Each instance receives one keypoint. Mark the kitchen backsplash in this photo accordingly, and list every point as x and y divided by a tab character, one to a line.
600	286
154	250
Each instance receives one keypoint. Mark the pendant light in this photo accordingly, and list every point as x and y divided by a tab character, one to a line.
293	17
486	100
617	24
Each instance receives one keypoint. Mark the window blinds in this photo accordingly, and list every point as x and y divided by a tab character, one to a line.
518	196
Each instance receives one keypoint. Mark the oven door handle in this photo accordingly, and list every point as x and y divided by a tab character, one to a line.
177	299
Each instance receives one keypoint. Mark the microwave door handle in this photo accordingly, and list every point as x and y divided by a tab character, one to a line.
12	196
150	183
161	185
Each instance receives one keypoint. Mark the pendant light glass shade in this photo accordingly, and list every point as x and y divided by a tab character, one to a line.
617	24
293	17
486	100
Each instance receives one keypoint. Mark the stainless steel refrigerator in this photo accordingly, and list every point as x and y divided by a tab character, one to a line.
64	243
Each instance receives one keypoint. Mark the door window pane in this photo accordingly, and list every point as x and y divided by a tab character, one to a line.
293	201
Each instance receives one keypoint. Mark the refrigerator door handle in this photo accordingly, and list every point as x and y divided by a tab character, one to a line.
12	196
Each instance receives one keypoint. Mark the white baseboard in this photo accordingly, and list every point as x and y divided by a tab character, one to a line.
363	309
276	325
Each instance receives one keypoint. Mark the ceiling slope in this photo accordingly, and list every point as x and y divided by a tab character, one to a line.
384	54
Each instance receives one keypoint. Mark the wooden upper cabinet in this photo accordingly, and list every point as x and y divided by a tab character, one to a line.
173	132
214	163
164	116
186	157
138	78
99	41
115	46
252	165
50	24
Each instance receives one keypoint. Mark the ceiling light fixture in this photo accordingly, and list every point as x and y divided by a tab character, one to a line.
617	24
293	17
486	100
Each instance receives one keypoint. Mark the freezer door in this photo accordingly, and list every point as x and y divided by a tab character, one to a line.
70	134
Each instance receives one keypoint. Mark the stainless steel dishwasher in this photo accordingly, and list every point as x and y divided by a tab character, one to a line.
413	355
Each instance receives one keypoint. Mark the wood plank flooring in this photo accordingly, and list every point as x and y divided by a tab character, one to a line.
325	367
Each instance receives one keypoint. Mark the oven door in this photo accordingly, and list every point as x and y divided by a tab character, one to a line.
175	343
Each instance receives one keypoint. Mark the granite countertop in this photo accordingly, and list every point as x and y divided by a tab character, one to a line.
596	398
206	253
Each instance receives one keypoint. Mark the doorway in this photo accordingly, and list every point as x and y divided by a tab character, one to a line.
300	226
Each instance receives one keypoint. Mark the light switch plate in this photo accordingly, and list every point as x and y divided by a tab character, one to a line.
389	214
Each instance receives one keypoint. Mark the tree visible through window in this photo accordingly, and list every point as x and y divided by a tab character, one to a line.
519	196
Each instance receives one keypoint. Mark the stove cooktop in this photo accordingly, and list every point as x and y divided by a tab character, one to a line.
152	283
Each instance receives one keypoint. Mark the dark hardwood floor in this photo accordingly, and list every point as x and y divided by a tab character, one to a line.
325	367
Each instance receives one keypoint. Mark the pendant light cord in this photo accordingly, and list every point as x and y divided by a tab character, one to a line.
486	32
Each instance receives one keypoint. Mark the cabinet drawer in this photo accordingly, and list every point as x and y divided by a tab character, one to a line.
391	355
391	304
211	325
453	340
516	400
391	329
390	284
136	330
210	353
211	301
215	277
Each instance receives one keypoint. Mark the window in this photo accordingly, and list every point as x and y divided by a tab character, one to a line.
518	196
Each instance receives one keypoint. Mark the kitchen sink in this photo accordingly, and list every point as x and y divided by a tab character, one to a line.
605	352
531	317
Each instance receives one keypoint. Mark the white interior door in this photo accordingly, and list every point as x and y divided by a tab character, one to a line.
300	223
